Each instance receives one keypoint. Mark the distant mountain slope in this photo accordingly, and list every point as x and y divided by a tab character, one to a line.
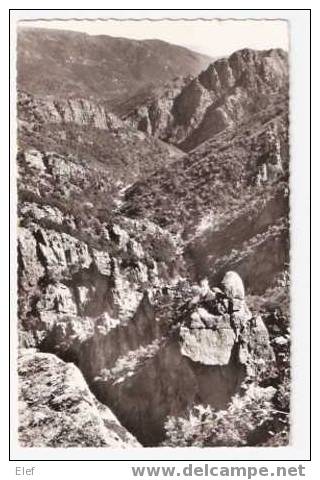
67	64
226	93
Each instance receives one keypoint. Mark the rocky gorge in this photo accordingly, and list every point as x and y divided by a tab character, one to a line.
153	256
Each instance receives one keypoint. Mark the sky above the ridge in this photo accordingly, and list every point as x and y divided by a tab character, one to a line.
215	38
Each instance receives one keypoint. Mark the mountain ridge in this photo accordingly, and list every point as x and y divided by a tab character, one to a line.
230	89
103	67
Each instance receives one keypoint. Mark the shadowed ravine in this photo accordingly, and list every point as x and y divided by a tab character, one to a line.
140	373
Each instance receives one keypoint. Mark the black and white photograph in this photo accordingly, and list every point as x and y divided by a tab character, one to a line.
152	165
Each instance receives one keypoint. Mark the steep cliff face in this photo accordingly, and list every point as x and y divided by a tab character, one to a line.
221	96
80	111
64	276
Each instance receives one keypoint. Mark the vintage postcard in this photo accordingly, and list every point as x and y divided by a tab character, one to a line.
154	295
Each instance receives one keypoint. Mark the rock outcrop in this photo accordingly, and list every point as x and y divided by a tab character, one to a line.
221	96
58	409
79	111
217	327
